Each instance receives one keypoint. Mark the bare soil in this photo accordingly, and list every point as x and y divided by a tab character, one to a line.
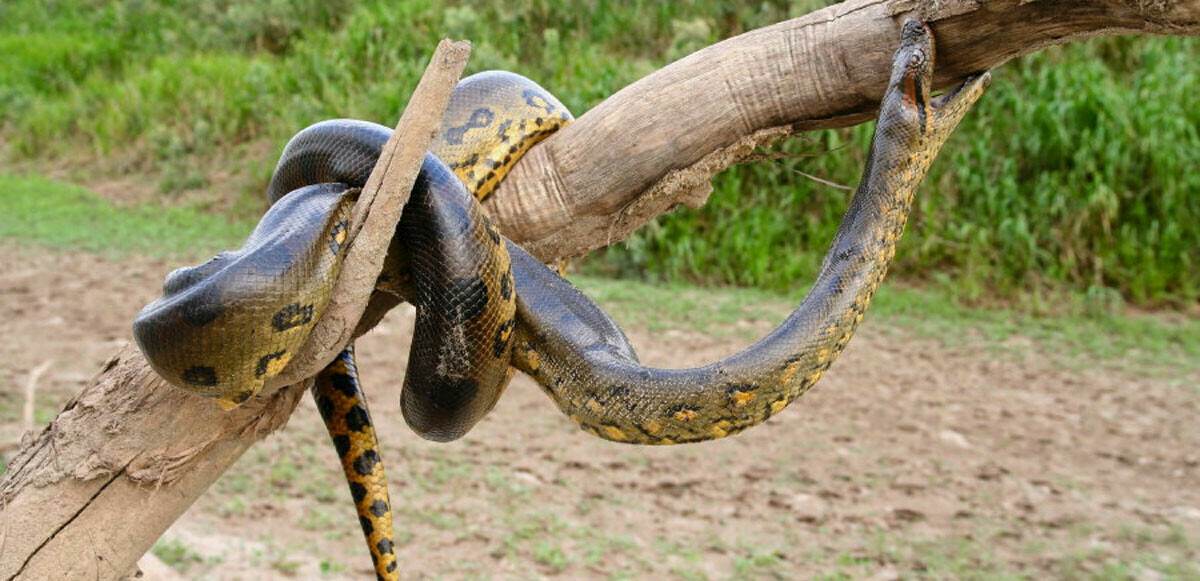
911	459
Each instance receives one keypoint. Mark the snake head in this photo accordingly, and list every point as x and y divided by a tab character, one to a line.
919	118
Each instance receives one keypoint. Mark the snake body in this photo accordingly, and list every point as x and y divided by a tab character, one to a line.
485	305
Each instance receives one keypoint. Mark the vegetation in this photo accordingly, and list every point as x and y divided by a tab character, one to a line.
1087	327
1073	175
69	216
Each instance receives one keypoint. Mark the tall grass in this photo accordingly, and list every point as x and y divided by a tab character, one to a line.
1073	170
1074	173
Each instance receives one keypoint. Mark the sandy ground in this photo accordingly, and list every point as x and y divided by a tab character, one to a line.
910	460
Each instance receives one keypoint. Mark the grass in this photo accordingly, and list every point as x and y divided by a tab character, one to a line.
61	215
1073	174
1069	173
1083	327
177	555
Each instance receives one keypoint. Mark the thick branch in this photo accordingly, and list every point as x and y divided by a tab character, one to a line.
655	144
89	494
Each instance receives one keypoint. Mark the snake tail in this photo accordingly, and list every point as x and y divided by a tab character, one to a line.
586	365
343	406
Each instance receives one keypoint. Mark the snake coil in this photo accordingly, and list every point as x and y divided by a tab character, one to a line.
485	306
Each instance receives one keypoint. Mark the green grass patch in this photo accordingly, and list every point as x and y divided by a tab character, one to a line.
50	213
1074	173
176	555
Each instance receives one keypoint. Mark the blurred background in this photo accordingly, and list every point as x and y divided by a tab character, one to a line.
1076	174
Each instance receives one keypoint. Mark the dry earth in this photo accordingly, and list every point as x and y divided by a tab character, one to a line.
912	459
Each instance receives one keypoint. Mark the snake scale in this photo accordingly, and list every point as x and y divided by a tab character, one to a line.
485	306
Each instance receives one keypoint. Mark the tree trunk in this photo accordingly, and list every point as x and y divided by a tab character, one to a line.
89	494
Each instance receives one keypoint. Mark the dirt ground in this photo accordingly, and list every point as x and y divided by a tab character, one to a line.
911	459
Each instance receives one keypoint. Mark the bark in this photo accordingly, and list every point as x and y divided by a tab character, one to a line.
91	492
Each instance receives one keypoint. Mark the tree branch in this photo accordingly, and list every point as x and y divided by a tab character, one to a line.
92	492
656	143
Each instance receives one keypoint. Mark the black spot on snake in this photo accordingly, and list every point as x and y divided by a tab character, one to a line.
506	285
535	99
337	235
344	383
358	491
365	464
379	508
624	395
357	419
292	315
367	527
200	375
325	406
342	443
481	117
493	234
503	337
385	546
264	362
684	409
391	566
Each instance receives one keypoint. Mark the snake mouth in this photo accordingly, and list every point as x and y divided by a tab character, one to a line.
912	83
974	82
913	70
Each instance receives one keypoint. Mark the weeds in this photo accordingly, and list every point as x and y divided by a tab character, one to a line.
176	555
1073	175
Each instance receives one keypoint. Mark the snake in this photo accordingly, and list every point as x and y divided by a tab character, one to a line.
486	307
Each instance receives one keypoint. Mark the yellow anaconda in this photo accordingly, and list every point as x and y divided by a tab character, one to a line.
223	328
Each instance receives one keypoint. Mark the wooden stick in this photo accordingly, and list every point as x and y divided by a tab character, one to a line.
31	393
86	497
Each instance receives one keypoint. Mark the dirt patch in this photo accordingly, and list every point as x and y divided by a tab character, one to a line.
910	459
